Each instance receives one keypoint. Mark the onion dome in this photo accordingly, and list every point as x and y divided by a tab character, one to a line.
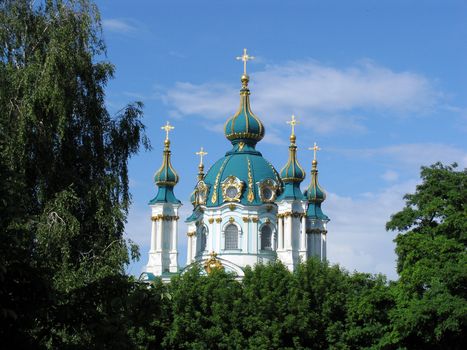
315	194
244	126
166	177
292	174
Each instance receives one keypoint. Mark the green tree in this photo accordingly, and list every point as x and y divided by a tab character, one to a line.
206	311
431	307
64	160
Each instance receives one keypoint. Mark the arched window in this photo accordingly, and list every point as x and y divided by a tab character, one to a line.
202	240
266	233
231	237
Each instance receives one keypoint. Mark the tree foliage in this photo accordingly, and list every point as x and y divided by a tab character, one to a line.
64	170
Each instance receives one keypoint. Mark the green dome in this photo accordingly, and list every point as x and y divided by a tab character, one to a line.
166	175
246	170
314	192
244	125
315	196
292	171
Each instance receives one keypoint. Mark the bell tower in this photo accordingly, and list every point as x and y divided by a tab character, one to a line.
163	253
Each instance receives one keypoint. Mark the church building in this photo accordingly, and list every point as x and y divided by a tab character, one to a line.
245	212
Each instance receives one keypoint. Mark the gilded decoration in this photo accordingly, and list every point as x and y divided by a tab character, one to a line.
202	192
254	219
191	233
232	207
216	184
246	219
211	220
164	217
231	220
251	195
232	189
218	220
212	263
268	190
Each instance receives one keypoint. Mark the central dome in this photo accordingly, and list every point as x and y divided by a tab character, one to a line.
244	126
246	170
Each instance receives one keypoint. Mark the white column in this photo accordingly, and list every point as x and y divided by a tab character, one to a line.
323	247
273	240
218	236
288	232
189	255
174	234
153	235
303	235
280	224
159	234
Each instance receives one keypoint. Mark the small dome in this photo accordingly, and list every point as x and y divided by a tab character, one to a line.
314	192
166	175
244	125
292	171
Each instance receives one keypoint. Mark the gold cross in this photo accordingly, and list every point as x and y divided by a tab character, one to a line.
245	58
314	149
167	127
293	122
201	154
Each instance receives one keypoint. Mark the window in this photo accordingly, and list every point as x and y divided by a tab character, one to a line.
202	240
266	233
231	237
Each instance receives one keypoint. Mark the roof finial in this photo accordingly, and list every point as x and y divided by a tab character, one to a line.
292	123
167	128
201	154
245	58
315	148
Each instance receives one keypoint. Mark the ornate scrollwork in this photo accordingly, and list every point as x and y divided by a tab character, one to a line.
212	263
268	190
202	192
232	189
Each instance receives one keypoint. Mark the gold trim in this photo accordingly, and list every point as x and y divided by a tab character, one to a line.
216	183
232	206
272	185
164	217
191	233
213	263
232	181
254	219
211	220
246	219
231	220
218	220
251	194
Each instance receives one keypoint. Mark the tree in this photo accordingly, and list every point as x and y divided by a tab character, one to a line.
64	159
431	307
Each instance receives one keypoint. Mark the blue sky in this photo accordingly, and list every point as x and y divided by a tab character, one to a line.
379	85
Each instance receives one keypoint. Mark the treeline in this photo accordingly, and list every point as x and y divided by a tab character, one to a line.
64	200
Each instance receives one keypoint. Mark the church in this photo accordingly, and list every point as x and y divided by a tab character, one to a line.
245	212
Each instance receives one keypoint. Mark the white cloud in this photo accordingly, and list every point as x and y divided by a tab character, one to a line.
412	154
390	175
357	237
118	25
326	99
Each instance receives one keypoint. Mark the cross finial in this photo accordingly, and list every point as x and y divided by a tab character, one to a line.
167	128
315	148
245	58
201	154
292	123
